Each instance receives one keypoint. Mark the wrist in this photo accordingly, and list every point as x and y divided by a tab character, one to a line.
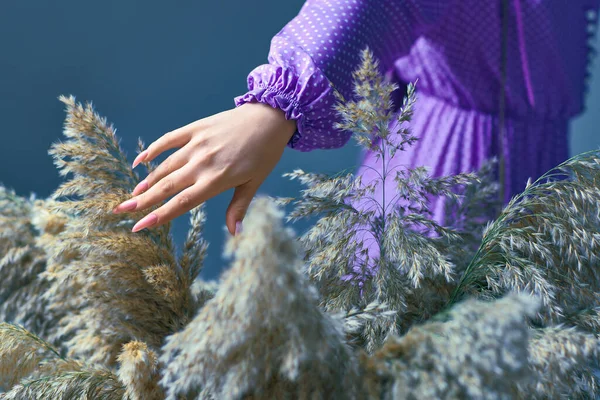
273	118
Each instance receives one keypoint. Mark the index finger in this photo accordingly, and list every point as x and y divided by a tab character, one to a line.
177	138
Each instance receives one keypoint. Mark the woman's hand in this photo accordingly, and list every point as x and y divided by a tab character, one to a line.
237	149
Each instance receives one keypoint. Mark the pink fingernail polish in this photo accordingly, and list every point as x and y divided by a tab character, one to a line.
128	205
141	187
238	227
141	157
145	222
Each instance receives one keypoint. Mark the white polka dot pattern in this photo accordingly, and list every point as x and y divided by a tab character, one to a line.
322	45
453	48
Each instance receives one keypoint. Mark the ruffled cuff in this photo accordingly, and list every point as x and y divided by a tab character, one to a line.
308	99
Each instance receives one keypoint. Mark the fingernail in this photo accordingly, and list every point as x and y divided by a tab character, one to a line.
141	187
238	227
139	158
126	206
145	222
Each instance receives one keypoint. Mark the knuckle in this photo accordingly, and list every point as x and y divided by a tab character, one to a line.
228	169
199	140
167	186
185	200
155	145
167	137
151	151
209	156
222	173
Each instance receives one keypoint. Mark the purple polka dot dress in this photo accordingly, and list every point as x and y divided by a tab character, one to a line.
454	49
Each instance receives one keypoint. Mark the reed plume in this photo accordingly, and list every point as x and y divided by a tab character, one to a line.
375	301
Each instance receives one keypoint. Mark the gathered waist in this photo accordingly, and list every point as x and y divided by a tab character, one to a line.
452	140
528	118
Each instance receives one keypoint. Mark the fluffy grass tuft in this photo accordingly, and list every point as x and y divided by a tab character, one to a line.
375	301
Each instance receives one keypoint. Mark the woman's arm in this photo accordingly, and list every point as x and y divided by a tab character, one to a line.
322	46
238	148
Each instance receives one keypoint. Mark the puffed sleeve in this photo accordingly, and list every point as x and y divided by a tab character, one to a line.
322	46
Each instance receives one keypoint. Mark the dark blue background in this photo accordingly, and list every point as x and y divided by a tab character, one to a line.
149	67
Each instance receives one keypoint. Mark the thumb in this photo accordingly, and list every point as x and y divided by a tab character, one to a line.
242	196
